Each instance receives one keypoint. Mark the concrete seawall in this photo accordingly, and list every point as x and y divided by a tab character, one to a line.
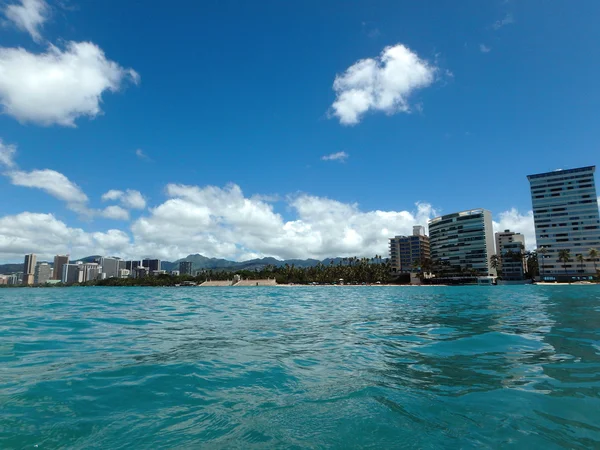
240	283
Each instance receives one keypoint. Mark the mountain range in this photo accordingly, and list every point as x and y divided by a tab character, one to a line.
202	262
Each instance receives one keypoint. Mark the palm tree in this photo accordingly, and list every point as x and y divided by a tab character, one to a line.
593	254
564	256
580	259
494	262
542	251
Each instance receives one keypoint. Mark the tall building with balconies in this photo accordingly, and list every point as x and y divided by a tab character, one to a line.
408	252
565	212
463	242
510	248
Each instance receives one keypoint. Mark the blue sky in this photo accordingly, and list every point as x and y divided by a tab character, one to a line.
211	120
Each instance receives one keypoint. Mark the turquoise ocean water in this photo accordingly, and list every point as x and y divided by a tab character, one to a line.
293	367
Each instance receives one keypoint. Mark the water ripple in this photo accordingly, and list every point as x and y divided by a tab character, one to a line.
381	367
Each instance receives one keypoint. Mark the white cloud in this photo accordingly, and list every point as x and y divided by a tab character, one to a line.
130	198
222	222
380	84
29	16
54	183
140	154
484	48
339	156
507	20
7	153
115	212
47	236
58	86
513	220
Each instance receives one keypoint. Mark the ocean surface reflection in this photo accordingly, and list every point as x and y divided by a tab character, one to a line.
293	367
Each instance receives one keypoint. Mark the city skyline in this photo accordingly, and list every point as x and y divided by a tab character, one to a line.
312	145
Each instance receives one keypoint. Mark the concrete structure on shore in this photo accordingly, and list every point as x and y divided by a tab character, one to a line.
237	282
407	251
463	242
565	212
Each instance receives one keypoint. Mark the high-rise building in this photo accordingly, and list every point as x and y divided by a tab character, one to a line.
43	272
132	265
110	266
463	242
72	273
81	272
151	264
29	269
59	262
185	268
565	212
510	248
406	252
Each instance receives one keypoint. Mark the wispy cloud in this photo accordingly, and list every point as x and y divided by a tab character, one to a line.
140	154
29	16
7	154
339	156
382	84
507	20
484	48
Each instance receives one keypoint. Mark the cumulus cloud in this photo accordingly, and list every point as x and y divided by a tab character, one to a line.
29	16
47	236
222	222
129	199
513	220
60	85
115	212
484	48
7	154
380	84
339	156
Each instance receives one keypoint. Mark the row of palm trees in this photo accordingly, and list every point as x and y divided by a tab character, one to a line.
564	256
535	260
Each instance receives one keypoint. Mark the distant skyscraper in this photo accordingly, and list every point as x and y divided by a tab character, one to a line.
72	273
463	241
185	268
29	269
59	262
43	272
565	211
110	266
151	264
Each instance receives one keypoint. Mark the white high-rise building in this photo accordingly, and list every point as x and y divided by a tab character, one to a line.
565	212
463	242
